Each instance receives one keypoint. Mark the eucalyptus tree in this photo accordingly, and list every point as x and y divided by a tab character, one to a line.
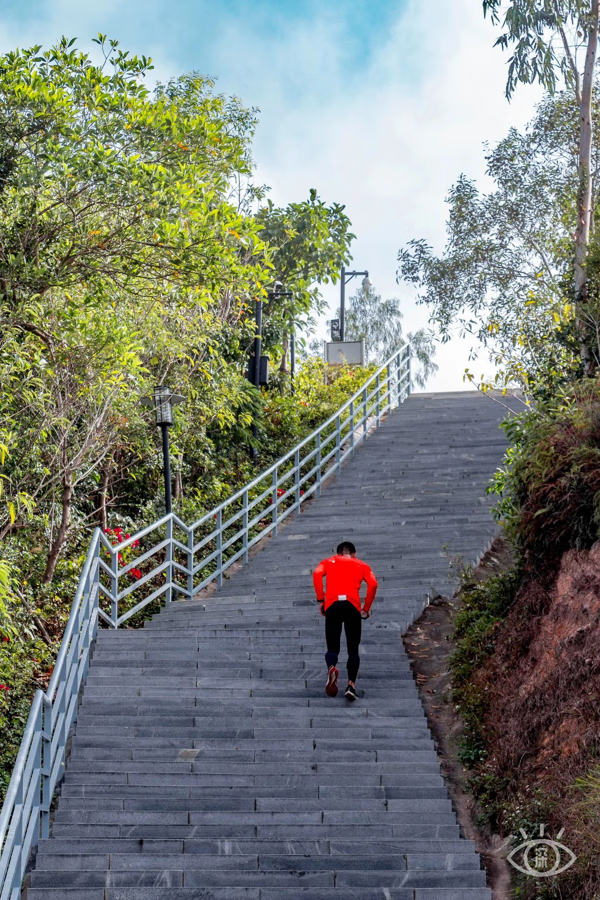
552	39
379	323
505	275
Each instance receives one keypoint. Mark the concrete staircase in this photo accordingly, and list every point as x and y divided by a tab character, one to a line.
207	761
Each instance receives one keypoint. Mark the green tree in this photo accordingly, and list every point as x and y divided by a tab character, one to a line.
309	242
118	246
549	37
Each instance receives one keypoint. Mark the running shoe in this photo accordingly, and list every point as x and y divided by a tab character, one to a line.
351	693
331	687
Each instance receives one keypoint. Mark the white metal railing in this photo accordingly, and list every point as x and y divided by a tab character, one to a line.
163	560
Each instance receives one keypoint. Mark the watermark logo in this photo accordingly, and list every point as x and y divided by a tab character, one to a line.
540	857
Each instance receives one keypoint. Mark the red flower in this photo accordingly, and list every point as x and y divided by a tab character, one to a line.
127	536
135	544
135	573
280	492
4	687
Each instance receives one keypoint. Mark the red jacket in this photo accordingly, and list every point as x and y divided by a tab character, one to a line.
344	576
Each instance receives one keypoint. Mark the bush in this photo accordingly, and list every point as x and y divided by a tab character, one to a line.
549	488
484	605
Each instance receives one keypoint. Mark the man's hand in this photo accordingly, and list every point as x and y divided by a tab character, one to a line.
364	614
322	607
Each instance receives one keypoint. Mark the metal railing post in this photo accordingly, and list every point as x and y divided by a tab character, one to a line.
409	370
46	767
352	427
169	558
274	504
190	563
297	481
364	409
399	377
318	463
388	388
114	588
338	445
378	406
90	587
219	527
17	837
36	777
245	525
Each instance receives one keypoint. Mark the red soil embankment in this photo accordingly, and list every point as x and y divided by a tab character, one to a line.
543	681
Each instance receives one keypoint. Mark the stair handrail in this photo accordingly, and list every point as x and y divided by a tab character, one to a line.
25	814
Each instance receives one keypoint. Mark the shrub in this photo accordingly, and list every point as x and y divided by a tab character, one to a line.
549	488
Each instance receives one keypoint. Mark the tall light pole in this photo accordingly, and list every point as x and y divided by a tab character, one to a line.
255	368
163	402
346	277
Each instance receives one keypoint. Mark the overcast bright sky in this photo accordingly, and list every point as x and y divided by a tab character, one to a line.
379	104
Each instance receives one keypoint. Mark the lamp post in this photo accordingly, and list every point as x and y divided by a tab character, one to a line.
346	277
256	372
292	358
163	402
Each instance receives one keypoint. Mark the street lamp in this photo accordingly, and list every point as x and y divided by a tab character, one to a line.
163	402
346	277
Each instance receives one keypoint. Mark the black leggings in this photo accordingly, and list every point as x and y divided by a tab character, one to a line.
342	612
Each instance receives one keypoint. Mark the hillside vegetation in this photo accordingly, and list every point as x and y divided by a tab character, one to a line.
526	669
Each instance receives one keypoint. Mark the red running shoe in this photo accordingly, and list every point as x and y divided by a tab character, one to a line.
331	687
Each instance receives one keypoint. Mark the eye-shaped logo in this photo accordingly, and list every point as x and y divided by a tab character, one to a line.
541	857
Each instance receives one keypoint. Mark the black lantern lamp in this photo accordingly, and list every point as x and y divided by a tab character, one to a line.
163	402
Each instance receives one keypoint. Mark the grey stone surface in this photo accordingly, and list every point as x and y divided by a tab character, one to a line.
207	761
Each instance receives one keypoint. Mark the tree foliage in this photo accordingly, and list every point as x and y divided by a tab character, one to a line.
379	323
551	37
504	276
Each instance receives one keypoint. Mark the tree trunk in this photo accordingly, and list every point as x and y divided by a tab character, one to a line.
103	498
283	365
57	545
178	486
584	197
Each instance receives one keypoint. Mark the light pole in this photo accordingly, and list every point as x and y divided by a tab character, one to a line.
292	358
256	367
163	402
346	277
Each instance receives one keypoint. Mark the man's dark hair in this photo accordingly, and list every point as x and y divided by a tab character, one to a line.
345	547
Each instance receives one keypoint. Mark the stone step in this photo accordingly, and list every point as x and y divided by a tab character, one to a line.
235	877
243	893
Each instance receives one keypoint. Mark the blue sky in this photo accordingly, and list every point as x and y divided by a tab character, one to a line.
379	104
